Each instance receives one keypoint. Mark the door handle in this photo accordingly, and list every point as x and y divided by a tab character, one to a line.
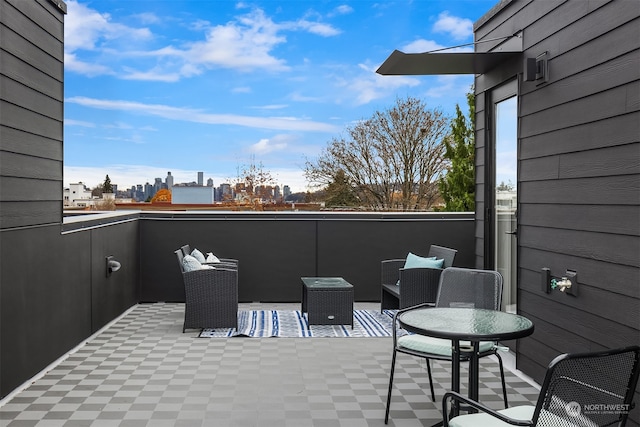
513	233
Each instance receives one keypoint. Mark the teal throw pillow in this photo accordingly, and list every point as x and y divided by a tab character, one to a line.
415	261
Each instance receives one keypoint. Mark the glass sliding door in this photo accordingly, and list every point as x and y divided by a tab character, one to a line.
503	189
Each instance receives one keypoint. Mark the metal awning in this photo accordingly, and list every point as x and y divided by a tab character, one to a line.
401	64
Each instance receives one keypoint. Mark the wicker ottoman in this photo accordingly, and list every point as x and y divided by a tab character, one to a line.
327	301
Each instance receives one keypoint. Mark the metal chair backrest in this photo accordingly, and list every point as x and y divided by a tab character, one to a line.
440	252
470	288
589	389
180	254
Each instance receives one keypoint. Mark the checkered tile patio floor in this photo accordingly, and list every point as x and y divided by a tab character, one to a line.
143	371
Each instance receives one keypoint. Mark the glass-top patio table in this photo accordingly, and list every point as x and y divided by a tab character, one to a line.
465	324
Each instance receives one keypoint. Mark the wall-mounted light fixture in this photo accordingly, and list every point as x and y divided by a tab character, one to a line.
537	69
112	265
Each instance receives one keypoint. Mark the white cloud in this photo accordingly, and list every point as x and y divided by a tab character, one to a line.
450	86
119	125
271	107
96	45
317	28
88	30
293	177
343	10
458	28
72	63
82	123
422	45
84	28
366	85
298	97
244	44
265	146
198	116
154	75
148	18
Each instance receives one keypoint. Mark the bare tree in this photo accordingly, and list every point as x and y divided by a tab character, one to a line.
393	160
254	183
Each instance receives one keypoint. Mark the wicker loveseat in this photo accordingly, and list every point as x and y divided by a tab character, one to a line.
211	296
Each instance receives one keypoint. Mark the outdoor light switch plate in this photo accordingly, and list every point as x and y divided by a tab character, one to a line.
573	276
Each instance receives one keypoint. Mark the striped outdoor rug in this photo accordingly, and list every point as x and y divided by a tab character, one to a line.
291	323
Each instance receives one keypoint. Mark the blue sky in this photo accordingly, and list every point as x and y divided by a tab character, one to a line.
211	85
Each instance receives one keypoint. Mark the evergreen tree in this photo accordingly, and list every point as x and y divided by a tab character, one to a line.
340	192
106	186
457	187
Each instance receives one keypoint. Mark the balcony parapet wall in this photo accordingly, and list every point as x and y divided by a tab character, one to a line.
275	249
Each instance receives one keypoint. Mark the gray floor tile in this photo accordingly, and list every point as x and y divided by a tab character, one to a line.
143	371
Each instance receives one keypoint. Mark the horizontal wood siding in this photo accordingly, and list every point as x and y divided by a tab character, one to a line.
31	101
579	173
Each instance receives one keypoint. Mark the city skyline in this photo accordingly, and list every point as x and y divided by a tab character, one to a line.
169	174
192	86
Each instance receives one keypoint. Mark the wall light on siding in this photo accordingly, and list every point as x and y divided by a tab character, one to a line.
537	69
112	265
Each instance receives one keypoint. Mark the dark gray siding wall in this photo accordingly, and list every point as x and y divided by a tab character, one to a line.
579	172
31	96
54	291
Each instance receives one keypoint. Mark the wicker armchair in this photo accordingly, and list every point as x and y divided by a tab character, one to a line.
211	297
585	390
419	285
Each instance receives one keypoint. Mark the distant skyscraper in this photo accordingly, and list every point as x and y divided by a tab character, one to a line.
200	178
286	191
225	192
169	180
148	191
157	186
210	182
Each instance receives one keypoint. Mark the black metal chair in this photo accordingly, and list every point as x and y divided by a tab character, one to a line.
579	390
459	287
211	297
402	288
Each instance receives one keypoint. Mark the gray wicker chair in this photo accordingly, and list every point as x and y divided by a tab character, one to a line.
586	390
459	287
211	297
419	285
230	262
